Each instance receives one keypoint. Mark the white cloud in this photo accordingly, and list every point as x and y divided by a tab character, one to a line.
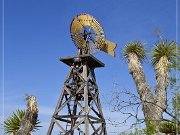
44	110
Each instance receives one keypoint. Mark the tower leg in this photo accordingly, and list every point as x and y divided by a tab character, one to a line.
85	74
55	113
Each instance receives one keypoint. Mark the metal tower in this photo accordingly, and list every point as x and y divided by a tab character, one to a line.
79	109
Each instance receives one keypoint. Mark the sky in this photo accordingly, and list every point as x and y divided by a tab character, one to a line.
37	33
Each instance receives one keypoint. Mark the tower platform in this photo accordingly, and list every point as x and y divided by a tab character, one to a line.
91	61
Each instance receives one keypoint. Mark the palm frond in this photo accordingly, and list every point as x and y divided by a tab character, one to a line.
165	48
12	124
136	47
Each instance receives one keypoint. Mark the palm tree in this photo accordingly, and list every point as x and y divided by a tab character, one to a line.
163	55
23	122
12	123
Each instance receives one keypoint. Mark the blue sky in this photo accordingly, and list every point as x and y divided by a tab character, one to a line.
37	33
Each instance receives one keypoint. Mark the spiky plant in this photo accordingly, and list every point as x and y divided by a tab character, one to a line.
168	49
135	53
12	124
137	48
163	55
169	127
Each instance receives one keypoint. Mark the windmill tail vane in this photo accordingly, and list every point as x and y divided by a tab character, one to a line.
109	48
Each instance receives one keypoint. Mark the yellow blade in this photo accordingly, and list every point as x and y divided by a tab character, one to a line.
109	47
99	42
76	27
94	24
84	19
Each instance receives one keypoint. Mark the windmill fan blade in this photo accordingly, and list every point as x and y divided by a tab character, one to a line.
96	26
78	40
99	42
76	27
84	19
109	47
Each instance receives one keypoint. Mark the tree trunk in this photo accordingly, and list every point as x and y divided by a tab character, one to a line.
28	122
150	103
162	70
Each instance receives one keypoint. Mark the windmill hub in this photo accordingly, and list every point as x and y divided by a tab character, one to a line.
88	34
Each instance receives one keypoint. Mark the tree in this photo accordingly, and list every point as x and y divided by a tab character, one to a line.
172	126
12	124
23	122
163	55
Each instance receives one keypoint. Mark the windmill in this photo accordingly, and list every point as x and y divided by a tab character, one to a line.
79	110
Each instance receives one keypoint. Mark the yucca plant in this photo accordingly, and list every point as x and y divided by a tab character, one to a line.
164	54
135	53
12	123
169	127
167	49
137	48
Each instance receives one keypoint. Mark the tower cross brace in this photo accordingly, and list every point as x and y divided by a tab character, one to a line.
79	110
